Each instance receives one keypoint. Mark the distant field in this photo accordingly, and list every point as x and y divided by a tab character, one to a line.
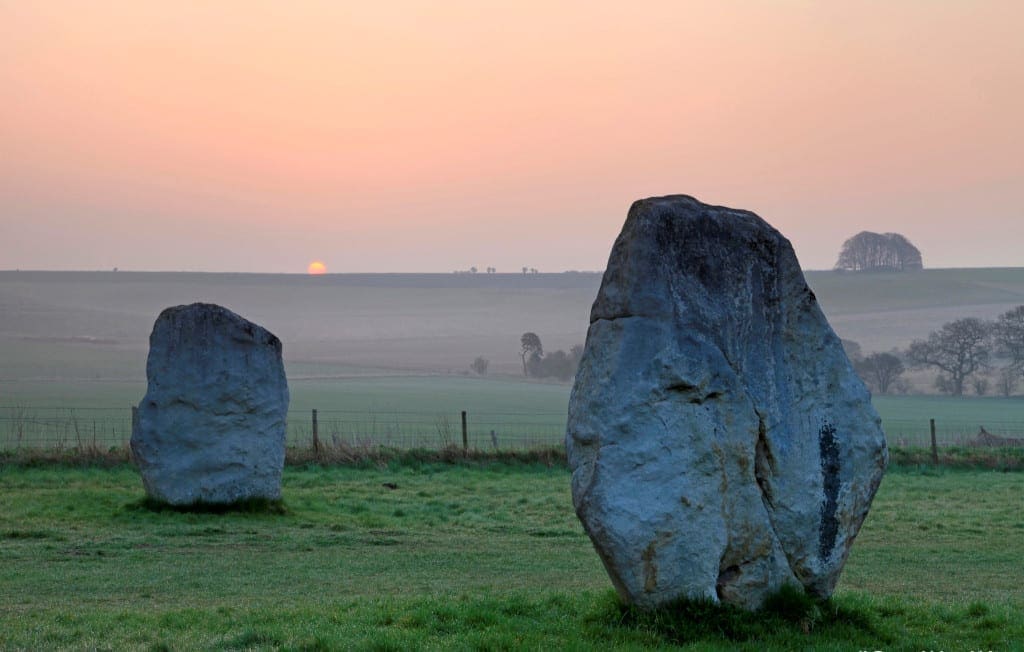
905	418
885	311
68	325
464	558
385	356
404	411
425	411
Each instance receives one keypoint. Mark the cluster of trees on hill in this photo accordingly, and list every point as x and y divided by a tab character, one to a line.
869	251
965	352
538	364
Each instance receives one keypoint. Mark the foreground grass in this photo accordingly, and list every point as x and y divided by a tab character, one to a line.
484	556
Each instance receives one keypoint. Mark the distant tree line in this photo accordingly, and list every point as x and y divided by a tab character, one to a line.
965	352
968	354
479	365
536	363
867	251
474	270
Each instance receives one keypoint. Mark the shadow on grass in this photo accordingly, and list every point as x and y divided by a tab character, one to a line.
246	506
790	618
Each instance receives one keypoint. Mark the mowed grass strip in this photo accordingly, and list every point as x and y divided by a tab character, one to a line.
485	556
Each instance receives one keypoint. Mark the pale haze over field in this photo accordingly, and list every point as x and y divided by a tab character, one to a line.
431	136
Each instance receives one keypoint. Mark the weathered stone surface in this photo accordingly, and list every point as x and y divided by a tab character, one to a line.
720	442
212	424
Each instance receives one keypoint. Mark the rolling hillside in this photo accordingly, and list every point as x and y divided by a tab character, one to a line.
95	325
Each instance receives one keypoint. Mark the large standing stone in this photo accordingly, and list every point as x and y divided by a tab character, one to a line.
211	427
720	442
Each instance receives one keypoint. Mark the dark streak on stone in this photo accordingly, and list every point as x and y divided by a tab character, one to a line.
829	447
764	465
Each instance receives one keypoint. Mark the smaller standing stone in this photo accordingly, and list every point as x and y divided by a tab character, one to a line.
211	427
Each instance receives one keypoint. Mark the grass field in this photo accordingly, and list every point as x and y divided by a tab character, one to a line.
413	408
84	325
487	557
382	356
425	411
905	418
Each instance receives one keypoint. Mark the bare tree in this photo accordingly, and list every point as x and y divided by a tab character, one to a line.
980	385
480	365
960	348
1006	382
880	370
532	348
1008	333
869	251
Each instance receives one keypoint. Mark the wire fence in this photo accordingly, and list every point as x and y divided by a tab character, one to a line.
102	428
912	433
105	428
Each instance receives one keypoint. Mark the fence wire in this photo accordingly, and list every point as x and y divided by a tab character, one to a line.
104	428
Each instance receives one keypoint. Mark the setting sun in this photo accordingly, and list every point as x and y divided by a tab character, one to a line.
317	267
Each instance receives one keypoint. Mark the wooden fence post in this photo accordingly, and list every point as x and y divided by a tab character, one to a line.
316	434
465	433
935	446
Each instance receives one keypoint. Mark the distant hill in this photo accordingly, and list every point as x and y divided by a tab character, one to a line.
96	324
886	310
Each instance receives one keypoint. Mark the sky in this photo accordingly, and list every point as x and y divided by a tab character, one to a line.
413	136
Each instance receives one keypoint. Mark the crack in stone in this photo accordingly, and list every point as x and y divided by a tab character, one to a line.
764	465
684	388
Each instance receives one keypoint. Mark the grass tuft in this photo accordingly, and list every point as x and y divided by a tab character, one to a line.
25	534
959	457
794	606
251	639
790	615
383	457
86	456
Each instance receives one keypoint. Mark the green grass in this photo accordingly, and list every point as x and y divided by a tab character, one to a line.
845	294
422	394
976	410
481	556
905	419
1000	458
414	410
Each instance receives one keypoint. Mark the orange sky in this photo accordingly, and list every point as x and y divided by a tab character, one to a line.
426	136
